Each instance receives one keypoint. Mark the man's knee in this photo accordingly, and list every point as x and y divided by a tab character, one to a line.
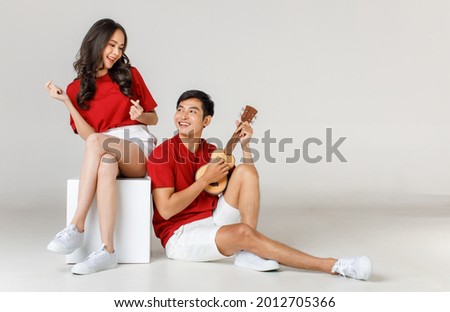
244	232
246	171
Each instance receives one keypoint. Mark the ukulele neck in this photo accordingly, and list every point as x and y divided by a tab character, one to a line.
231	144
247	116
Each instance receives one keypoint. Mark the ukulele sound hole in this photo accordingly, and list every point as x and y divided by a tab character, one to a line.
215	184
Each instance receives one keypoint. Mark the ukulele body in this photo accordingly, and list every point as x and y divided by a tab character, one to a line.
226	154
217	187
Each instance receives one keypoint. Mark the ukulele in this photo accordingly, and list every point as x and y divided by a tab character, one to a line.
226	154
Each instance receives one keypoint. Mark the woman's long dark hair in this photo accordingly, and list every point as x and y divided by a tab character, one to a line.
90	59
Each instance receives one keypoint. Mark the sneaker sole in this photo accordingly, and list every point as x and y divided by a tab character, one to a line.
85	271
275	266
52	246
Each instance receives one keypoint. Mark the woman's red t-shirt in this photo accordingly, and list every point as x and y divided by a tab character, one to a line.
109	108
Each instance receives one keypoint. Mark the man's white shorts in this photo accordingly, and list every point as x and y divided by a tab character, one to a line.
195	241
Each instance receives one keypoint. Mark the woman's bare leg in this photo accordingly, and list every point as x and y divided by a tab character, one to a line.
107	199
127	155
127	160
88	178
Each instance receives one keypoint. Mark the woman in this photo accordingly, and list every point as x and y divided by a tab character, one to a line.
110	108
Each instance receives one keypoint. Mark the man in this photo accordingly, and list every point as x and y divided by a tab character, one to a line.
196	226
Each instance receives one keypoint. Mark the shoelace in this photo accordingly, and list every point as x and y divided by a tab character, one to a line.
66	233
343	267
97	254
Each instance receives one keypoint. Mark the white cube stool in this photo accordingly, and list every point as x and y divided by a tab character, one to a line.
133	223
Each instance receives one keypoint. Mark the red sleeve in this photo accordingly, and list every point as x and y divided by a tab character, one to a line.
141	92
160	167
72	92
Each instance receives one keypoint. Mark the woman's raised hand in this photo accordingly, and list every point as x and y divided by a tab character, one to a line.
136	110
55	91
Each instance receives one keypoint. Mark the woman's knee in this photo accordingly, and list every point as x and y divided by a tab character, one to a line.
100	143
94	142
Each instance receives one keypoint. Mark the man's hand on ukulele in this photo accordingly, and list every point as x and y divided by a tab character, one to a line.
244	130
216	170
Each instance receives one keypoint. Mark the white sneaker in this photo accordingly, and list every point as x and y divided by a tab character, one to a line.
355	267
66	241
251	261
97	261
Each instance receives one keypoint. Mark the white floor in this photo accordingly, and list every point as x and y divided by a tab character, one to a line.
407	239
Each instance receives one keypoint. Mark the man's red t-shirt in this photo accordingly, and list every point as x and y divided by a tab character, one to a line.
172	165
109	108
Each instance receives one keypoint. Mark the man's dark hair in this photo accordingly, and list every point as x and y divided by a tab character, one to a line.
207	103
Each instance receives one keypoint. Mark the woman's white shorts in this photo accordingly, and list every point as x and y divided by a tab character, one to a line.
138	134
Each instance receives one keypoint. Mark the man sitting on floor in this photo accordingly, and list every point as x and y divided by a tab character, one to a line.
196	226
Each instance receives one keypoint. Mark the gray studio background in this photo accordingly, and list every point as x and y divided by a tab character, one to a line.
375	72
